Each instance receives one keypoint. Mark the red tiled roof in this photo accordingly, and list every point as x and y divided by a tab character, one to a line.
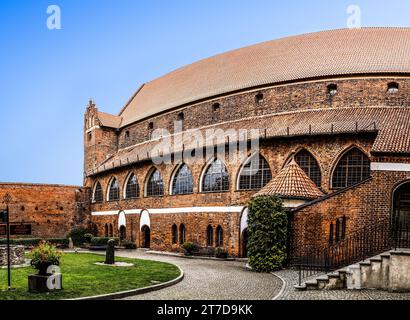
291	182
322	54
109	120
391	124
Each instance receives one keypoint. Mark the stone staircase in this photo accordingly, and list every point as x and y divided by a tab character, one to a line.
388	271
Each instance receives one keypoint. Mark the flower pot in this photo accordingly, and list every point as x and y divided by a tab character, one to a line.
42	267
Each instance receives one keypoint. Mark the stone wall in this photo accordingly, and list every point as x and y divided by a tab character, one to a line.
51	210
16	255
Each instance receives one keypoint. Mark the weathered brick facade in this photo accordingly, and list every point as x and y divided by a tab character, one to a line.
360	205
51	210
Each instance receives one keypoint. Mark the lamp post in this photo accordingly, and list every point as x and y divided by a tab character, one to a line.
7	199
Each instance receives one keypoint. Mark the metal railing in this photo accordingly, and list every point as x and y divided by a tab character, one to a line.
358	246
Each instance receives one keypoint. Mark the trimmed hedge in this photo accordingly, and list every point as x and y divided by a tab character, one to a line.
32	242
102	241
78	235
129	245
267	233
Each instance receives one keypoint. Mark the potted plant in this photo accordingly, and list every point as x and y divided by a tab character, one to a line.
43	256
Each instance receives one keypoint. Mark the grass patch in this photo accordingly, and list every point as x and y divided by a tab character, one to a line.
82	278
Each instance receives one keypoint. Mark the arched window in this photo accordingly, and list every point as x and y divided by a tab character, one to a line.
174	234
97	194
111	230
183	182
182	234
106	230
331	233
255	174
132	189
210	236
216	178
219	237
155	185
352	168
308	163
113	191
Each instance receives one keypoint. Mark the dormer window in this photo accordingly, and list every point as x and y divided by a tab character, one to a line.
216	107
393	87
259	98
332	89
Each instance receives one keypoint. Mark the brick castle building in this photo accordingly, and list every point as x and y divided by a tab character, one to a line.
330	112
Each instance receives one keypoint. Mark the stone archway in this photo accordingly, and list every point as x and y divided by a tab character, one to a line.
401	204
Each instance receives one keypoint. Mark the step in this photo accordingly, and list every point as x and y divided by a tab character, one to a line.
311	285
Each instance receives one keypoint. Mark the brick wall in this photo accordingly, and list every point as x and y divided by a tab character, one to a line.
300	96
327	151
52	210
367	204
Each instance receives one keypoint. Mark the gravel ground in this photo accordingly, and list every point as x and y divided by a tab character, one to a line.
211	280
290	278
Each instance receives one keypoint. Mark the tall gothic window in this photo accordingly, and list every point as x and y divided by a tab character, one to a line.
210	236
183	182
155	185
352	168
182	234
219	237
132	189
106	230
174	234
216	178
113	191
97	195
308	163
255	174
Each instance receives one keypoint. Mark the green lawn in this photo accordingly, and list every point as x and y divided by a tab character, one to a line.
82	278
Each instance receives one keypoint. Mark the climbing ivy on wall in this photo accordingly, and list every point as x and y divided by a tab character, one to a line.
267	233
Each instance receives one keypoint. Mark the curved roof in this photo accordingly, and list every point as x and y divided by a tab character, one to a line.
291	182
327	53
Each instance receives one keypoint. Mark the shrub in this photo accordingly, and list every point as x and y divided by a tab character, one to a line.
88	237
189	248
267	234
221	253
58	242
102	241
26	242
32	242
129	245
78	235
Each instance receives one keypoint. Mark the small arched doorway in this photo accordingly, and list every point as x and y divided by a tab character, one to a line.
401	205
123	233
146	237
244	243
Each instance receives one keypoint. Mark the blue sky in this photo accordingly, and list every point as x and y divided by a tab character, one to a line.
107	49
